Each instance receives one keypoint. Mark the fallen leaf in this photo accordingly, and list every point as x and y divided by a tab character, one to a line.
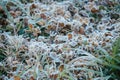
41	23
0	8
61	24
61	67
18	13
16	78
33	6
30	26
108	34
42	15
13	14
54	76
32	78
93	10
81	31
69	36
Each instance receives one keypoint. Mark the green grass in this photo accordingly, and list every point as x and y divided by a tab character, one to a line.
111	62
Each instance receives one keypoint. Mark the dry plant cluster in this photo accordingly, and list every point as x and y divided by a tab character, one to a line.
58	39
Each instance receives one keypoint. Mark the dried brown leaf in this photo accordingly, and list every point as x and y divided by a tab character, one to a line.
42	15
69	36
32	78
61	24
61	68
94	10
81	31
16	78
30	26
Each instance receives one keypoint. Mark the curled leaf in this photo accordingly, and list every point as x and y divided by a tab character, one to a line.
81	31
61	68
69	36
16	78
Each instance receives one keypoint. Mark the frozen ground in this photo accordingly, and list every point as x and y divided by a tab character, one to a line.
56	39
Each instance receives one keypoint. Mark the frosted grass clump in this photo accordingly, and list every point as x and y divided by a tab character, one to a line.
38	47
16	41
